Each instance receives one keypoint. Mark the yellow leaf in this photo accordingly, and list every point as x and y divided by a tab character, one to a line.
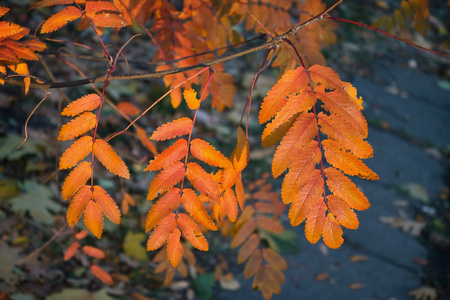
191	98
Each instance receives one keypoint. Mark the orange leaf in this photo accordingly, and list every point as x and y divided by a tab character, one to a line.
274	259
192	232
274	274
341	186
336	128
76	179
241	154
8	29
174	248
203	151
228	178
82	234
78	205
102	275
61	18
161	232
127	107
244	232
77	126
76	152
35	45
248	248
240	192
269	224
71	251
338	105
306	198
195	207
86	103
127	201
253	264
170	155
299	172
294	105
3	10
166	179
145	140
315	221
109	20
342	212
229	204
299	135
163	207
109	158
93	252
201	180
346	161
7	55
291	82
20	51
173	129
93	219
332	233
93	8
328	78
191	98
107	204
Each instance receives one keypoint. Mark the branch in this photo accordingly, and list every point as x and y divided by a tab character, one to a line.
158	74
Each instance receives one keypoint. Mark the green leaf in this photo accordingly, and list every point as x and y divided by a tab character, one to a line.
132	245
285	242
37	200
9	151
203	285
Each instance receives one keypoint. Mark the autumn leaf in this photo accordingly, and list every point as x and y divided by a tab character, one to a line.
93	252
76	152
166	204
173	129
166	179
190	95
106	203
77	126
61	18
195	207
86	103
102	275
248	248
201	180
109	158
76	179
169	156
93	219
332	233
174	248
127	107
78	205
191	231
205	152
162	232
71	251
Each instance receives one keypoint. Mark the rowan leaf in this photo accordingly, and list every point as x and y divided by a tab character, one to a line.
174	248
306	198
71	251
346	161
332	233
336	128
61	18
8	29
76	152
19	50
169	156
195	207
7	55
35	44
173	129
299	171
45	3
269	224
164	206
128	108
107	204
86	103
166	179
109	159
78	205
243	233
190	95
76	179
203	151
290	83
145	140
3	10
274	259
248	248
299	135
77	126
315	221
229	204
93	252
201	180
109	20
253	264
192	232
102	275
93	218
241	154
94	7
161	232
342	212
341	186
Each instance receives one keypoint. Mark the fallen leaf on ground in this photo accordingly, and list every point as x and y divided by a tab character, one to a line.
417	191
355	286
424	292
358	258
405	224
321	276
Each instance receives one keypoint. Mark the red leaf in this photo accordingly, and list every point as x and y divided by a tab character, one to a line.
93	252
71	250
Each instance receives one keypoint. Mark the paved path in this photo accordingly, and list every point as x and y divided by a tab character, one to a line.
415	114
